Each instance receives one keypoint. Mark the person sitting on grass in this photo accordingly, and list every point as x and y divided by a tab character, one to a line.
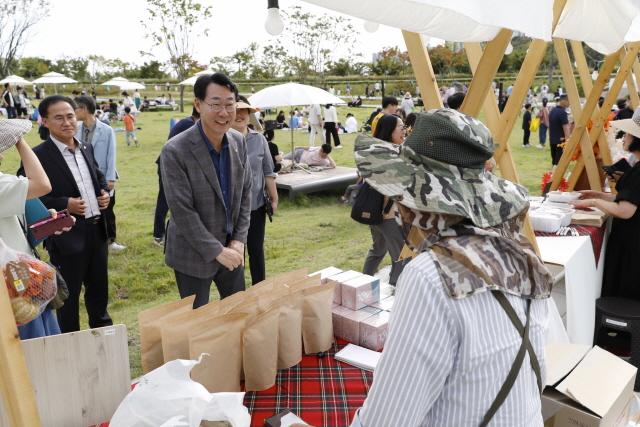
313	156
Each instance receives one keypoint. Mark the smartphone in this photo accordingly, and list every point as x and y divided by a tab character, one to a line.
48	226
620	166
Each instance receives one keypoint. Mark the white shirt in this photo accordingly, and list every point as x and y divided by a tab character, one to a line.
445	360
13	195
351	125
82	176
315	115
331	115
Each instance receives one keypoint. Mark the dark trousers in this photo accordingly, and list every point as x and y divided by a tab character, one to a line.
527	135
88	268
331	129
227	282
12	112
255	245
110	219
542	133
556	153
162	208
387	237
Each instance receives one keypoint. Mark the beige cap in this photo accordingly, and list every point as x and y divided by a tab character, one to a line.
242	105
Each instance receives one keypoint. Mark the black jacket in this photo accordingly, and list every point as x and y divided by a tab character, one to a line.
63	186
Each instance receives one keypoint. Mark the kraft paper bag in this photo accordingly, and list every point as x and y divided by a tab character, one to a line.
317	323
280	279
260	351
290	331
221	339
227	304
150	322
175	335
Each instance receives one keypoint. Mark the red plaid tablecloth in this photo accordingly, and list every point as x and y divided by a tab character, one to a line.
320	390
595	233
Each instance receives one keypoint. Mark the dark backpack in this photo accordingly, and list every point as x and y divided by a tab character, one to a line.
368	206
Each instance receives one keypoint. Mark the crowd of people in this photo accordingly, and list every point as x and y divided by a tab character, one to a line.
461	225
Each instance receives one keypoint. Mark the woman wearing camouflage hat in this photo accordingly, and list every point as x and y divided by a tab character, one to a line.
465	342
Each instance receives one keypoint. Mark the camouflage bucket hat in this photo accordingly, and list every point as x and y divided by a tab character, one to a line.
440	169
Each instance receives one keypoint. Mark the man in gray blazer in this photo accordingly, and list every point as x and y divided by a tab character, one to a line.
207	183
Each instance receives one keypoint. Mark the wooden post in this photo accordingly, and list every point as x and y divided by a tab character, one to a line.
582	119
15	383
485	73
422	69
579	115
631	83
598	124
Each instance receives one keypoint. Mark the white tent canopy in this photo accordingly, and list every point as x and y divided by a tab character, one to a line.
14	80
460	20
123	84
602	24
53	78
192	80
289	94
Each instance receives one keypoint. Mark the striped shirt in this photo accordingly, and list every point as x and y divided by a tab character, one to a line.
445	360
81	174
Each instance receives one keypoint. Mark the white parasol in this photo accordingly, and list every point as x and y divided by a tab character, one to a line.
14	80
54	79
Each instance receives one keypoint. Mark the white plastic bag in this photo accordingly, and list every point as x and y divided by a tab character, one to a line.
168	397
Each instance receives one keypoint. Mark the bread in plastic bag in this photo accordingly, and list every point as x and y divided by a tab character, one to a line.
167	396
31	283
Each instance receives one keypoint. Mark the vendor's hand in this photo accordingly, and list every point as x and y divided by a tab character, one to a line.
583	203
589	194
111	184
238	246
76	206
230	258
66	229
103	200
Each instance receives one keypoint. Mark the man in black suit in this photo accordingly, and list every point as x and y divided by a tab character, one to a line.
79	186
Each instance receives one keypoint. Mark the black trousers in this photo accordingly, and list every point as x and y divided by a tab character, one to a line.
331	129
88	268
255	245
110	218
162	208
227	282
527	134
556	153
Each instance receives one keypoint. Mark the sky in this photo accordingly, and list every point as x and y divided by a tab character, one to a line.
112	29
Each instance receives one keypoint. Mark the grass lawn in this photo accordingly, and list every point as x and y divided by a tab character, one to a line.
314	231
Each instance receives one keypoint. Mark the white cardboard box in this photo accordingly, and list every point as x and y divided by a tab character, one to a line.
595	391
338	280
361	291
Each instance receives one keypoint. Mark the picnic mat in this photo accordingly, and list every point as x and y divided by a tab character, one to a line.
595	233
320	390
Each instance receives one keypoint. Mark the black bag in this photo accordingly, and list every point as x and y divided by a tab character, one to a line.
368	206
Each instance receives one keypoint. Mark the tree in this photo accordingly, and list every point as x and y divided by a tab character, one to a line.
17	18
314	38
33	67
76	68
441	58
171	24
391	62
151	70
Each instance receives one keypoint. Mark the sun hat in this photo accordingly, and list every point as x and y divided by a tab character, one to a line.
240	105
11	130
631	125
440	169
407	95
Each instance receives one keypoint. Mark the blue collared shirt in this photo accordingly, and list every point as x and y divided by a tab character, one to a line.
222	166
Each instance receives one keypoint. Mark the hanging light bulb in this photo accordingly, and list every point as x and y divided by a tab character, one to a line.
509	49
274	24
371	27
594	75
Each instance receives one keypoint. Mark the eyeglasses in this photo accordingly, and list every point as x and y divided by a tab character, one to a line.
216	108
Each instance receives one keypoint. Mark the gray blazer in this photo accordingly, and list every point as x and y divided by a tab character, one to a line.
196	231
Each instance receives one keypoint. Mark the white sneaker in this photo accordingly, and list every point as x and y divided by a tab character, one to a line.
339	147
540	147
114	246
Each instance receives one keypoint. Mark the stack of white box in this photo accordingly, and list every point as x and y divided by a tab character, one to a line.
361	307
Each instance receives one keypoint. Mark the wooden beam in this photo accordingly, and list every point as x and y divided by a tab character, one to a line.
631	84
582	119
598	125
579	115
422	69
487	69
16	389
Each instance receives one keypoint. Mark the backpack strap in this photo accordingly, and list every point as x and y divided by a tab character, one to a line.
387	207
525	347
